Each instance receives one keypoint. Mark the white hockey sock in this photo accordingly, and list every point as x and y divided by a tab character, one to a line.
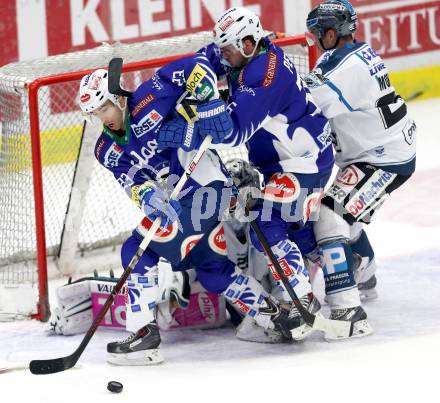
292	263
141	295
248	296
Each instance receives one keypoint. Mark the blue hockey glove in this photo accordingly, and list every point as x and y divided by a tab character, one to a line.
214	120
152	200
177	133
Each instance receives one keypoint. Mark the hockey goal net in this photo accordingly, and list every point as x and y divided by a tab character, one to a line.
51	196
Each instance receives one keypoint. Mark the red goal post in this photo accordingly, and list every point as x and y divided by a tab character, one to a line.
41	138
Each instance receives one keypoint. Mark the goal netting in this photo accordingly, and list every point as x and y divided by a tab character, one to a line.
61	213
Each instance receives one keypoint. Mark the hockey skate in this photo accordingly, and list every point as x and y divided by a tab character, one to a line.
140	348
249	330
357	316
367	289
302	329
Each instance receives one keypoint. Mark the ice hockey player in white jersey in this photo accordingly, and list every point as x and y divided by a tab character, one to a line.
374	142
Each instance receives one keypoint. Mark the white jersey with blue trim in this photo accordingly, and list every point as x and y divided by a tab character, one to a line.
369	120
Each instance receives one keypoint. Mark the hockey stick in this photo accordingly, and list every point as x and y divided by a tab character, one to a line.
336	328
41	367
114	78
18	366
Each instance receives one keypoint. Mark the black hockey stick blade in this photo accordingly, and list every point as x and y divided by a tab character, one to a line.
45	367
114	78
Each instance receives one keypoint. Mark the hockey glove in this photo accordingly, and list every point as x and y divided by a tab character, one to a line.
214	120
177	133
152	200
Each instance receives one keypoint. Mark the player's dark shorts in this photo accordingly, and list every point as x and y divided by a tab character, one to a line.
359	190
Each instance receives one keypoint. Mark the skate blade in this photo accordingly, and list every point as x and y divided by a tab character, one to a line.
360	329
302	332
136	358
260	337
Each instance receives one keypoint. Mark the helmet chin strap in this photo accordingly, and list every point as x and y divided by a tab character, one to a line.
333	47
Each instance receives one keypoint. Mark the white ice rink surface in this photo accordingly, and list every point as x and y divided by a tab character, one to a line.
398	363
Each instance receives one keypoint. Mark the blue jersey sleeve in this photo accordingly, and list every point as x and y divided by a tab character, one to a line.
213	55
155	99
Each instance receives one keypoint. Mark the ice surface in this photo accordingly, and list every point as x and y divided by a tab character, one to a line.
398	363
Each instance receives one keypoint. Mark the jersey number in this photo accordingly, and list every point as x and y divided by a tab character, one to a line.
390	118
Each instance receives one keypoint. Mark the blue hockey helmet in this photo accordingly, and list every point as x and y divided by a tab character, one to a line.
332	14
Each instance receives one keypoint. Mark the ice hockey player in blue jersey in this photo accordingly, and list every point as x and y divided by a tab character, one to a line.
287	137
374	142
190	233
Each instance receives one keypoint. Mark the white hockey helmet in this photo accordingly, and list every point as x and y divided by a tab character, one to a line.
93	91
236	24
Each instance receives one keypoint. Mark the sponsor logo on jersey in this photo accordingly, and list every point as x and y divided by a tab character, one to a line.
287	270
271	67
162	235
248	90
189	243
141	105
99	148
195	78
377	68
350	176
217	240
367	54
226	23
112	156
95	82
325	138
282	188
373	189
409	131
311	206
85	98
155	79
148	122
204	92
206	306
338	193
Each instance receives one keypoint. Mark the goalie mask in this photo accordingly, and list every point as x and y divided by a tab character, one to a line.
236	24
246	179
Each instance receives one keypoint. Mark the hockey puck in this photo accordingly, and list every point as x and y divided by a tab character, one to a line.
115	387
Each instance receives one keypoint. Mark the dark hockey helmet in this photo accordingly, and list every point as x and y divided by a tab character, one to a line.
332	14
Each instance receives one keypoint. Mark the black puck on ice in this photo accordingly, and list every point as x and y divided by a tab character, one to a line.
115	387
